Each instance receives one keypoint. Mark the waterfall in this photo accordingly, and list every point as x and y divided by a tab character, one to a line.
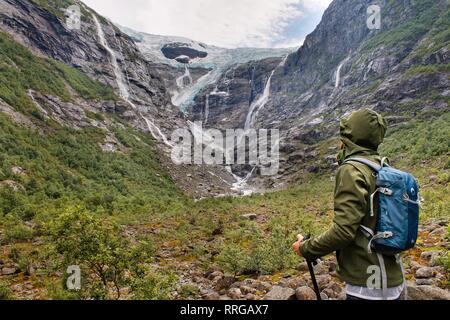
181	80
206	108
123	90
258	104
154	130
338	72
241	184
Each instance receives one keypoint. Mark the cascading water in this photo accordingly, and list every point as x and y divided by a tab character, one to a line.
258	104
255	107
338	72
155	131
181	81
206	109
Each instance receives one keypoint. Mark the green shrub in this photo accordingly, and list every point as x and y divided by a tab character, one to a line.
188	291
5	291
153	286
109	262
262	256
17	231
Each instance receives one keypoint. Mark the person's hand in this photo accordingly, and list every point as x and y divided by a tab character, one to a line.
296	246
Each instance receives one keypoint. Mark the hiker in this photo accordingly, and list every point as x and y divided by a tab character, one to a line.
360	135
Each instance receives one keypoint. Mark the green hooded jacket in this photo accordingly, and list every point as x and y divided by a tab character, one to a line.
361	135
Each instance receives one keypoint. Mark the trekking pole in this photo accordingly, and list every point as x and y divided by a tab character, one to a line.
311	265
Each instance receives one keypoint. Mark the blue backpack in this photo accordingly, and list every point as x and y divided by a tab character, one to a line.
398	209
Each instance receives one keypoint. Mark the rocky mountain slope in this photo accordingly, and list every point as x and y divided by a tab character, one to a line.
401	70
85	118
140	97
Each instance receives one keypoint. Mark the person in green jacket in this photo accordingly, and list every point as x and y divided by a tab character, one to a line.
360	134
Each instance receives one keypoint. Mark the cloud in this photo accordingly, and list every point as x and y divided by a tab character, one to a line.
227	23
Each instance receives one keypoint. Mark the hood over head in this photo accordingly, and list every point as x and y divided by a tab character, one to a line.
362	133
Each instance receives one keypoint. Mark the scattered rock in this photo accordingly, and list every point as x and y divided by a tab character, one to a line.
323	280
18	170
263	286
415	266
246	290
250	216
296	283
280	293
426	272
427	292
211	295
305	293
225	282
428	282
438	231
214	275
250	296
321	269
428	255
7	271
302	267
235	293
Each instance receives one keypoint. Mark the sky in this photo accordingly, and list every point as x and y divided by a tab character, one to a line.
224	23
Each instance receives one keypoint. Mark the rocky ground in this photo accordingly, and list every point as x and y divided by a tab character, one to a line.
427	280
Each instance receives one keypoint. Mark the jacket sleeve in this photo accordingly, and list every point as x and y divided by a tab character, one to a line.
350	207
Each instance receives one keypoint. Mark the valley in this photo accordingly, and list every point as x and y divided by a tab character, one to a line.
86	175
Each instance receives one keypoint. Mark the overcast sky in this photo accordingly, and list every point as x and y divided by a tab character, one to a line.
225	23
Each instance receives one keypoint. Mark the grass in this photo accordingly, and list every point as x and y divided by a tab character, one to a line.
68	165
56	7
21	70
426	13
427	69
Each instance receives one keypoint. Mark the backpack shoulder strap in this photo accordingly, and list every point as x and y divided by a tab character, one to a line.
375	166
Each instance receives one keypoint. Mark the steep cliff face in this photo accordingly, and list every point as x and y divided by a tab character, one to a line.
47	35
225	104
99	80
401	70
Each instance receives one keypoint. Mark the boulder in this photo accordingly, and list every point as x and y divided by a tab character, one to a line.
246	290
305	293
427	292
211	295
7	271
302	267
280	293
250	216
426	272
250	296
225	282
235	293
438	231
